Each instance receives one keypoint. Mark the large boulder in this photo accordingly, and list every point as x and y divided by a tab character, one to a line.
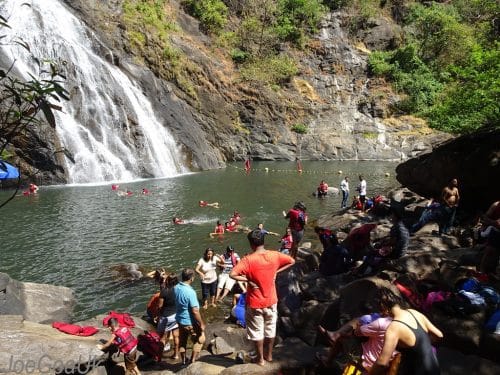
40	303
473	159
27	347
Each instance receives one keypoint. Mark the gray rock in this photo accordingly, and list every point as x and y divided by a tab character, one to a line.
26	346
219	346
41	303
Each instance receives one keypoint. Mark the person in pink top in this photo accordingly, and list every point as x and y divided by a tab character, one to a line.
372	326
259	270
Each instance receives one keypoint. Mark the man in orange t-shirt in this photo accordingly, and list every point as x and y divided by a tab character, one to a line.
259	270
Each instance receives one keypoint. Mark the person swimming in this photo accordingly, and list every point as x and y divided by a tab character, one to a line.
145	191
219	230
206	204
177	220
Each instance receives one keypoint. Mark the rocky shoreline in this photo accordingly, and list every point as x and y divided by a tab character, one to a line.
28	344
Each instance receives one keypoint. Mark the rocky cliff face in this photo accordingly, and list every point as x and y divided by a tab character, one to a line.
223	119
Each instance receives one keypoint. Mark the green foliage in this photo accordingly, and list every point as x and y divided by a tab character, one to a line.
300	128
410	76
297	18
270	70
471	99
239	56
441	37
211	13
449	67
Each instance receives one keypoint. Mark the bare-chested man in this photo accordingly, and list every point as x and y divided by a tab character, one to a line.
450	197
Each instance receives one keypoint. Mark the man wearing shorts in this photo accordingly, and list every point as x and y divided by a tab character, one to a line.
227	262
259	270
188	316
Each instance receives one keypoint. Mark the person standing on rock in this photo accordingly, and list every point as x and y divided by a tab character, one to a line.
188	316
362	191
344	187
297	220
259	270
450	197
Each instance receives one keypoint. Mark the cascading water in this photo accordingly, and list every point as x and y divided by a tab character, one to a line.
109	126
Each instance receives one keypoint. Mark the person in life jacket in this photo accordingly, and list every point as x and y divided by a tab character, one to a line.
231	225
206	204
236	217
286	242
322	189
122	338
177	220
219	229
297	220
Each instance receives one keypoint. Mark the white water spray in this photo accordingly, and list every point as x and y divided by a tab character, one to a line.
108	126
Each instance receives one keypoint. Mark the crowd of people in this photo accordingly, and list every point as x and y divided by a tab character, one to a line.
395	334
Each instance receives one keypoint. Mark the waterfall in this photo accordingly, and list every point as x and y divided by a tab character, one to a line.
109	126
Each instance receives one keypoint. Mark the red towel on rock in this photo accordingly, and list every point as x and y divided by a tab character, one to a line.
74	329
124	319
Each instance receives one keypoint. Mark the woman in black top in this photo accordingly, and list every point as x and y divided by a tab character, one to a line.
408	333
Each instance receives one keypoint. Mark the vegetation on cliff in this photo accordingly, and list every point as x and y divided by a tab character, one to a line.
446	65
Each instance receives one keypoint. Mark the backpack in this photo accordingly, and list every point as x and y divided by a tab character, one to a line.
301	218
150	345
152	308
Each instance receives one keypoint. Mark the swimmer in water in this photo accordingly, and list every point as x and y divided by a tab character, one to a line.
177	220
145	191
206	204
219	230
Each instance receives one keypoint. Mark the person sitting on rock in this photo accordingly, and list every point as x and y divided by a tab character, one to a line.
334	259
371	326
491	224
392	247
410	332
432	212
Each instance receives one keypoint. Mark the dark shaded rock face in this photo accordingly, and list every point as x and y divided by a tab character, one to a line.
473	159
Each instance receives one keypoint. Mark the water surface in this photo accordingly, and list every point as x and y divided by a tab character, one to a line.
76	235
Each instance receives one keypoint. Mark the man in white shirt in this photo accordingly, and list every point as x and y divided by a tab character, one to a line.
362	191
344	186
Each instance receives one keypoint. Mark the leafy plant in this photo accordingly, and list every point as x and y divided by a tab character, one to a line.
270	70
300	128
211	13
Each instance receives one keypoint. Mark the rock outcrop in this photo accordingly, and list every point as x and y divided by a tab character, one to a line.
473	159
40	303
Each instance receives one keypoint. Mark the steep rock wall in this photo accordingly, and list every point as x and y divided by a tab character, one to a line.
347	113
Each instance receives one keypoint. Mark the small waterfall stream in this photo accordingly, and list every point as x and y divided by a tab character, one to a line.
109	126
